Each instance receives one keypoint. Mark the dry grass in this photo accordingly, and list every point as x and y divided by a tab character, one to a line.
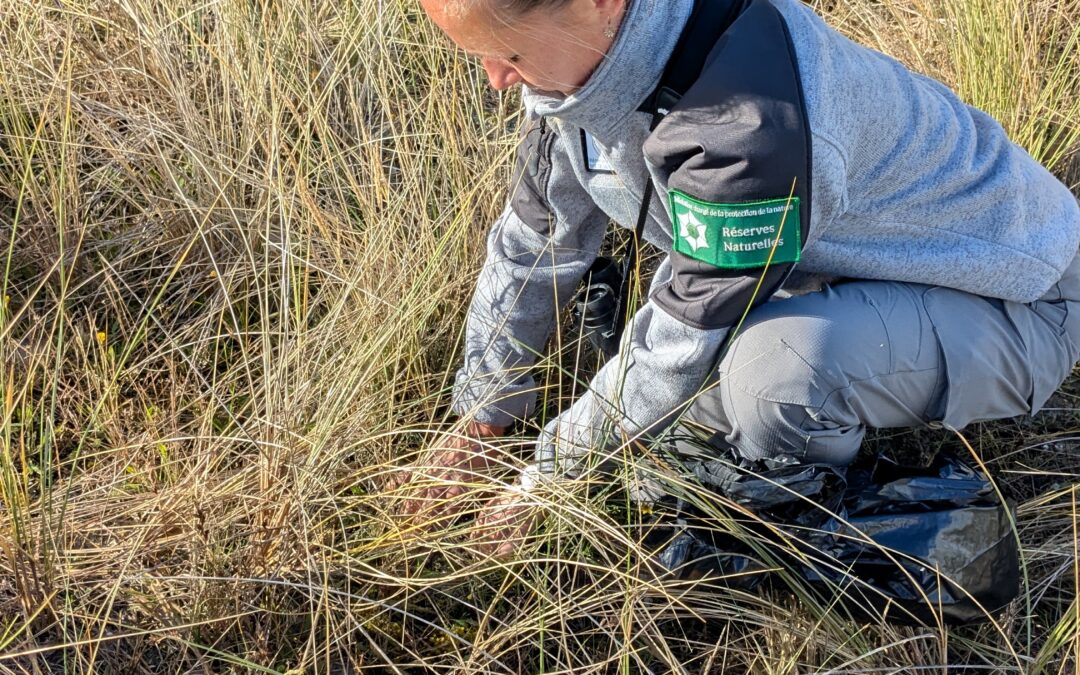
237	243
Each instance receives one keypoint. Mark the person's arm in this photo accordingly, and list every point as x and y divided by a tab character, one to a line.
537	252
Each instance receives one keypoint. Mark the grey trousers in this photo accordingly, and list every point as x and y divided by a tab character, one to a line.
807	375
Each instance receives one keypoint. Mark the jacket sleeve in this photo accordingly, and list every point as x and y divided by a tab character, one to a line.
661	366
537	252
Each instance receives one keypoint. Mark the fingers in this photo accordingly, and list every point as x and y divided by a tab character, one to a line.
430	500
397	479
504	525
439	485
433	502
411	473
445	495
467	457
504	550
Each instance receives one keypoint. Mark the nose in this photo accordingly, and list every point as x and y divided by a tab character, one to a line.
500	74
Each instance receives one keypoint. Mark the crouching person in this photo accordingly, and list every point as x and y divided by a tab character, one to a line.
932	261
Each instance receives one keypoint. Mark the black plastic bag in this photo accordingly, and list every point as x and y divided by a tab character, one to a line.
909	546
596	306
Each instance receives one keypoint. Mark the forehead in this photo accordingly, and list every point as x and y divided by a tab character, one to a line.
459	14
473	25
463	7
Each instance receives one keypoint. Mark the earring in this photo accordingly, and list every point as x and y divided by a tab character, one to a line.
609	32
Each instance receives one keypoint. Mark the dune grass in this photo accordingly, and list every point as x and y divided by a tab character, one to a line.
239	238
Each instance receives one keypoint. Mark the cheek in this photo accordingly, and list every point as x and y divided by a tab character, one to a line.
566	65
558	71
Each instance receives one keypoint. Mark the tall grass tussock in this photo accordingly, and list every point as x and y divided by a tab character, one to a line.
239	238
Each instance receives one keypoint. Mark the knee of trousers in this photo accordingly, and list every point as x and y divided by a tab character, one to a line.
779	400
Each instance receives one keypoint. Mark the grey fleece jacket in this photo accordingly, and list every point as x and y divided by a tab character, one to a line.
895	178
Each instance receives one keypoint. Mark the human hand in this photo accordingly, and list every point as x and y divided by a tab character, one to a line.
505	522
436	486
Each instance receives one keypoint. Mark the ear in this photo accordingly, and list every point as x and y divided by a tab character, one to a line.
610	7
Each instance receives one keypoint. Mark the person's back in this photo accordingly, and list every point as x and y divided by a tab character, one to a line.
911	184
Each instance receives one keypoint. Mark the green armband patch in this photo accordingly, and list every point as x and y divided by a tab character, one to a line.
737	236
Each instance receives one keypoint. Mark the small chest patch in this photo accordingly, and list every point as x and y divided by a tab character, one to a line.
737	236
595	161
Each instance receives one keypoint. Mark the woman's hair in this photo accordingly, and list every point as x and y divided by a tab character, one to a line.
509	8
521	7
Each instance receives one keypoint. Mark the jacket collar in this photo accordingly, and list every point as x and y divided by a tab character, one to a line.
630	71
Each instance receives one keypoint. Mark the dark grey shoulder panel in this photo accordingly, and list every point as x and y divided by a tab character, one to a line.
532	172
739	134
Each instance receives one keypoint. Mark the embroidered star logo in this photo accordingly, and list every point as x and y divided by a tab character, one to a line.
692	231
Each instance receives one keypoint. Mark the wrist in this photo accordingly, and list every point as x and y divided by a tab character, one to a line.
482	430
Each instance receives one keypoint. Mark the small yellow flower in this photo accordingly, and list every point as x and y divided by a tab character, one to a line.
100	337
213	274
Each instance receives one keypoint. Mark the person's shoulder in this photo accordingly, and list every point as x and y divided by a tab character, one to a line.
797	9
807	29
